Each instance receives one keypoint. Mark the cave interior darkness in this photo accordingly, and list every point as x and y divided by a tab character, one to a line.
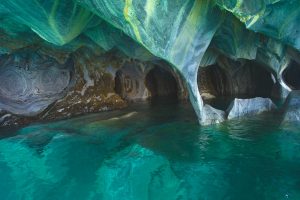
291	75
160	84
219	86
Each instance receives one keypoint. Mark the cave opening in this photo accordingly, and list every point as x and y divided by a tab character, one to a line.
162	85
118	84
291	75
218	86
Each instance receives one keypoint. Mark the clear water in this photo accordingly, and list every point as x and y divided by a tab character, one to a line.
151	152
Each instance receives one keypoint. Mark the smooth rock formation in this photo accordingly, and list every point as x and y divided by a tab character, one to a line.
291	108
275	18
30	82
187	34
37	87
212	115
130	81
249	107
94	87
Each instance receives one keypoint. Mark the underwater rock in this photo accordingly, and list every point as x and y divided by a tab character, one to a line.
138	173
291	108
249	107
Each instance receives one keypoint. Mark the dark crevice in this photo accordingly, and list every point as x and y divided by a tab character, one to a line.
118	84
161	84
291	75
218	86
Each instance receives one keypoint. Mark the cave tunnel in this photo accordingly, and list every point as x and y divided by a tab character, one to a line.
157	85
161	84
291	75
218	86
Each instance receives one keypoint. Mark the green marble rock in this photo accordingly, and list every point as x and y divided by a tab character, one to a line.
185	33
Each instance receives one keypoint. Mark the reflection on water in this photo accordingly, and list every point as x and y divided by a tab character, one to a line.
151	152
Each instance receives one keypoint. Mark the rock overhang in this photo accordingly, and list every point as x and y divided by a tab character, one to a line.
187	34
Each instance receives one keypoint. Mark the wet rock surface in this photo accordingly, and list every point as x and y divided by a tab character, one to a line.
130	81
41	84
249	40
30	82
39	87
212	115
291	108
93	89
249	107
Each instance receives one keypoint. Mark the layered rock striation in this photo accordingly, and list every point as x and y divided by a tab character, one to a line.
61	58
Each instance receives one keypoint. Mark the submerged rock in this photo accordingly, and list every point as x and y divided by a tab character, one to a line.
249	107
291	108
138	173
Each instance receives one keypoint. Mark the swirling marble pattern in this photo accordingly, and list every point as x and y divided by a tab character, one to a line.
182	32
55	21
275	18
31	82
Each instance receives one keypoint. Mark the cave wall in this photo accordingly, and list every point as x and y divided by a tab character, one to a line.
48	85
130	81
229	78
187	34
30	82
38	88
291	75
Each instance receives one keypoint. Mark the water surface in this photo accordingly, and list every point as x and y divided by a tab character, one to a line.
151	152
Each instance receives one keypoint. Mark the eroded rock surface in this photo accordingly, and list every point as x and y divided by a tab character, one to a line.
187	34
93	89
291	108
249	107
40	87
230	78
30	82
212	115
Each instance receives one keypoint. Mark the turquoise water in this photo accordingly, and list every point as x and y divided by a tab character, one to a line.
155	152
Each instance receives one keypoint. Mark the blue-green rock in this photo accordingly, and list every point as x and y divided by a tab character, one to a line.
185	33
